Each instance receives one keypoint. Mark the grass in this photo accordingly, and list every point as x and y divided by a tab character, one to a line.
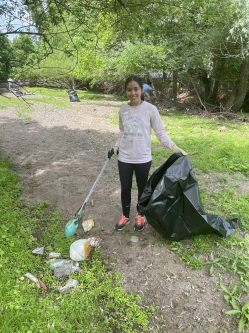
6	102
57	97
82	94
98	303
211	151
204	141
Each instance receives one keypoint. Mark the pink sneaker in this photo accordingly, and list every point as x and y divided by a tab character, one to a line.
122	223
139	224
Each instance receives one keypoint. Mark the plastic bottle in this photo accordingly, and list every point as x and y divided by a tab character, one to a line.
33	278
80	249
39	250
54	255
59	262
71	283
66	270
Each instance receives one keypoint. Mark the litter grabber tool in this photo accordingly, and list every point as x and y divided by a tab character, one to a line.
72	225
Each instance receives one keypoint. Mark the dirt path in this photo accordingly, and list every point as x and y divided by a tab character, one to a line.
59	154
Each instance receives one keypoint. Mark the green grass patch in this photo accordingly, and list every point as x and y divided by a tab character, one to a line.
47	91
60	97
60	102
13	101
114	118
236	205
209	148
82	94
97	304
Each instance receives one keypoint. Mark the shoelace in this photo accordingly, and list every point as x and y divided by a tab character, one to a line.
122	220
140	220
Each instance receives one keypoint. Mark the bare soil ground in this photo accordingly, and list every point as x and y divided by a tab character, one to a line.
59	154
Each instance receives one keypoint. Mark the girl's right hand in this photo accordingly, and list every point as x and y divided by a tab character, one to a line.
113	151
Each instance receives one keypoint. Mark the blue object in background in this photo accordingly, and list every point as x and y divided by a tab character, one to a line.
146	88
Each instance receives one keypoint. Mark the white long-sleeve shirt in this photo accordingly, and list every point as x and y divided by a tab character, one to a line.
134	139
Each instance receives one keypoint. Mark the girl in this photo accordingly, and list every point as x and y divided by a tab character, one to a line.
134	146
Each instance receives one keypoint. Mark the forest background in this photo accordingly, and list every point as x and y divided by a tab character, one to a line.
196	47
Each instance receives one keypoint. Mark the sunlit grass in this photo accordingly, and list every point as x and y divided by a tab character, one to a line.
11	101
208	146
82	94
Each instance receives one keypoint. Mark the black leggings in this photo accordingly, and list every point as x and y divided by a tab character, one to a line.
125	174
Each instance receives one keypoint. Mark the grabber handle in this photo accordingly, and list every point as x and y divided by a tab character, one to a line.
93	187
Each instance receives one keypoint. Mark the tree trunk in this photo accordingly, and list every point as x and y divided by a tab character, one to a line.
201	75
214	82
238	95
174	86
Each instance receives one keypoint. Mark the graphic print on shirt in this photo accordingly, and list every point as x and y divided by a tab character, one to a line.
132	129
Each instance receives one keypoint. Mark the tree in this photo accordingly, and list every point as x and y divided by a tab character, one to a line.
5	56
23	56
204	42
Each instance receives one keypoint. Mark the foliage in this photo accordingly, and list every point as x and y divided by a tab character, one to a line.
5	55
102	42
242	313
23	56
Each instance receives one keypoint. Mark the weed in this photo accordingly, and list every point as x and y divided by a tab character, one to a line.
124	230
240	311
27	165
215	261
113	118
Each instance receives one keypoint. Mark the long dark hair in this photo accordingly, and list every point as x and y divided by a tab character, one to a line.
136	79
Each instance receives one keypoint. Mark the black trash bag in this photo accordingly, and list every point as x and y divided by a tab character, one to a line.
73	96
172	205
17	91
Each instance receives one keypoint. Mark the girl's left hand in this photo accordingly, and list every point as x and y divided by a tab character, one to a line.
176	149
